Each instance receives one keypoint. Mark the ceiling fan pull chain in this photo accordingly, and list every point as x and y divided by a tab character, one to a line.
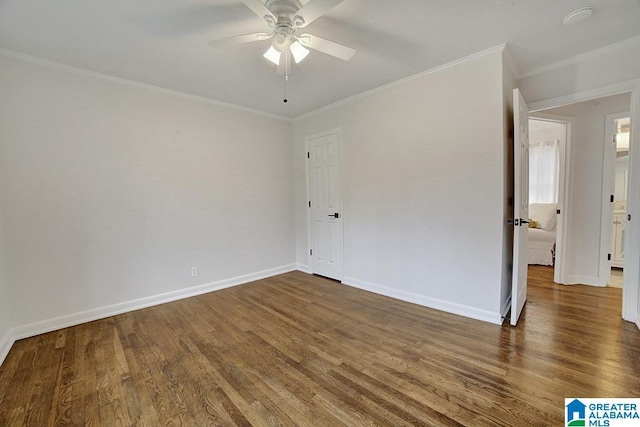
286	78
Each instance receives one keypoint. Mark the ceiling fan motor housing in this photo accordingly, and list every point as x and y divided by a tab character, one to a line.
284	8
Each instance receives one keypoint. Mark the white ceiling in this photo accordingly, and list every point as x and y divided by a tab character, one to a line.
163	43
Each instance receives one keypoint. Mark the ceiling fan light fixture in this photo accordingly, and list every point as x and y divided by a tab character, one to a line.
281	42
272	55
298	51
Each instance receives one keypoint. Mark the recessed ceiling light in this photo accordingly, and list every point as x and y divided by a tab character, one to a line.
578	16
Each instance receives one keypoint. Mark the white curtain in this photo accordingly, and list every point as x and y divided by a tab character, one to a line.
544	166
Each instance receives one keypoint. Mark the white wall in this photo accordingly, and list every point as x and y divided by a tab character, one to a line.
582	248
113	192
415	227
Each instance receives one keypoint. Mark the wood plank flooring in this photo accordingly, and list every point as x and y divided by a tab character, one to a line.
302	350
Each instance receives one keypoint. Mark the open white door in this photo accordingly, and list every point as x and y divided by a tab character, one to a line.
520	205
325	205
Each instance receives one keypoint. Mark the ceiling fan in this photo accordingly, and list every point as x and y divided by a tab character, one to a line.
285	18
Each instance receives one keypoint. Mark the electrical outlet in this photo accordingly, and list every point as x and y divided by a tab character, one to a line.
194	271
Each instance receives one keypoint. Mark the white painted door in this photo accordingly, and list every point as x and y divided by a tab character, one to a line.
325	205
520	205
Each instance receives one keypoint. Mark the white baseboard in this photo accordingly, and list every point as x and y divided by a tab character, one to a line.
584	280
6	343
65	321
438	304
304	268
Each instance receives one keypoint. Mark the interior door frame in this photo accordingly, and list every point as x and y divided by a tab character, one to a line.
338	132
631	285
564	185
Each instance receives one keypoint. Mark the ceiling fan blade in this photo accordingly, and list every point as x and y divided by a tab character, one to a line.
314	10
284	68
245	38
261	10
326	46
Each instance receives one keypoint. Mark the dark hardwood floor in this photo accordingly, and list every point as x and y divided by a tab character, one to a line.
302	350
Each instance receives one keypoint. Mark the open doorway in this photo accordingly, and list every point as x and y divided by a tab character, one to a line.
547	149
586	241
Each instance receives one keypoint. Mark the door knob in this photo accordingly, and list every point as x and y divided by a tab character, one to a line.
517	222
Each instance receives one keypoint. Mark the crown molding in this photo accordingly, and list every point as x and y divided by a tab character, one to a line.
582	57
119	80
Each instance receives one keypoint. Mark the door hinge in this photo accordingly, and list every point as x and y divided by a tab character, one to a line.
308	155
608	257
309	203
611	198
310	251
558	211
615	138
628	217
